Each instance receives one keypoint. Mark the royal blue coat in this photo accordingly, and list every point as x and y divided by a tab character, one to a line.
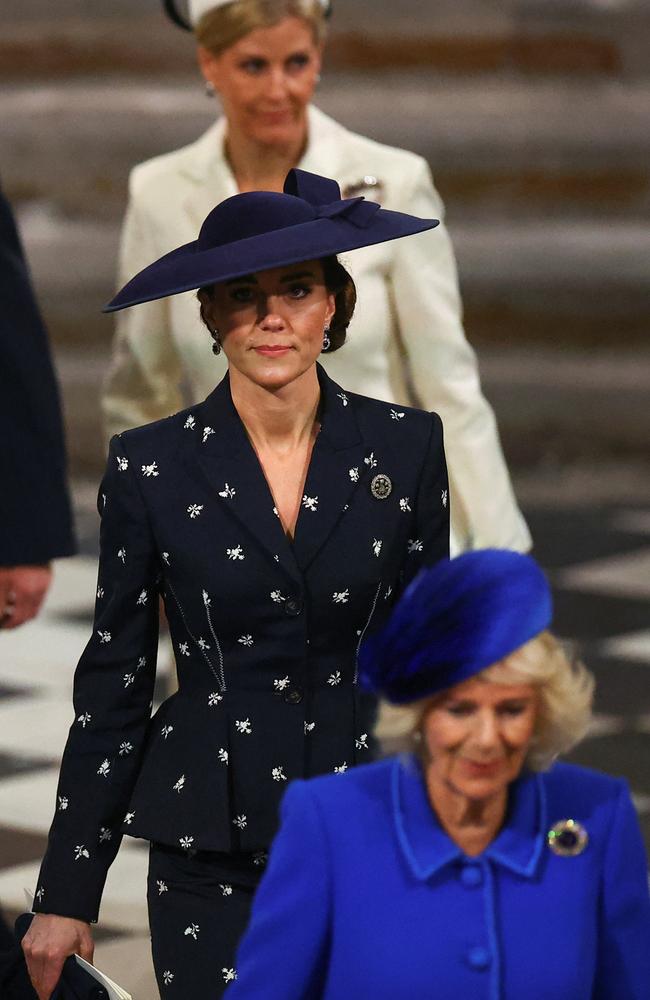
365	896
265	632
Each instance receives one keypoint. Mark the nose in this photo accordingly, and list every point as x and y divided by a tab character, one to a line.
269	316
277	84
486	733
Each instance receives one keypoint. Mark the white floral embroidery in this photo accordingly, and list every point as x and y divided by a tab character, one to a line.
236	553
214	698
128	679
192	931
80	852
165	558
342	396
341	768
245	640
186	842
104	637
415	545
277	773
260	858
405	504
207	431
243	726
361	743
396	414
389	591
276	512
100	593
143	598
63	802
202	643
354	474
240	821
334	678
206	599
341	597
309	727
121	554
122	463
376	546
162	886
179	784
105	835
277	596
166	730
150	470
125	748
167	975
129	817
228	975
280	683
142	662
190	423
310	503
184	648
104	768
228	492
277	558
103	500
222	755
226	890
84	719
371	460
194	510
443	496
40	892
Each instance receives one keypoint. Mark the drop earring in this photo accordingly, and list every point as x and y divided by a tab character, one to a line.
209	89
216	347
327	343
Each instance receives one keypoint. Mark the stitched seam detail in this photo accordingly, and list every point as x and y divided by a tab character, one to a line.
195	640
363	632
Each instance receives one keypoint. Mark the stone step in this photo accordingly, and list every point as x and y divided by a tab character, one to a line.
495	147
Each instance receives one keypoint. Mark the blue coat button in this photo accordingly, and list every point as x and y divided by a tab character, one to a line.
478	958
471	876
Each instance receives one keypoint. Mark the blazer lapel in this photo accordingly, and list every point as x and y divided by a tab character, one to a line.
212	180
229	462
337	469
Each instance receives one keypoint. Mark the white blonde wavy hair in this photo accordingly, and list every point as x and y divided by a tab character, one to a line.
564	713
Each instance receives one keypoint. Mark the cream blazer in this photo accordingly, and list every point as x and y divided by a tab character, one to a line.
405	344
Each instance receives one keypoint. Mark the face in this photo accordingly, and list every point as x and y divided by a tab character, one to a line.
266	80
477	736
271	323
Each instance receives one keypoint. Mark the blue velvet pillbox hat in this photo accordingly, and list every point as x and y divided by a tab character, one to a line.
258	230
455	619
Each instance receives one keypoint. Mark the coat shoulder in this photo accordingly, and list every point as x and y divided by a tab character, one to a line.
152	178
368	155
162	434
346	793
580	791
393	420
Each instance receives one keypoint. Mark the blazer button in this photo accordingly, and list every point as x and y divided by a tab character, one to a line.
293	697
479	958
293	607
471	876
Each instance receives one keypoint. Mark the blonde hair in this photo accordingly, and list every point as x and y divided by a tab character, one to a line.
221	27
565	700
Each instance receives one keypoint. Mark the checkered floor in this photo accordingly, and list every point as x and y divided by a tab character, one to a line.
599	562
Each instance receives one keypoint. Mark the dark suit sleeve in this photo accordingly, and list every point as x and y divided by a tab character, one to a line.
283	954
113	690
624	918
432	507
35	517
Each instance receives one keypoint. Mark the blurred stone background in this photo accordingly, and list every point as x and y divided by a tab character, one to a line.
535	118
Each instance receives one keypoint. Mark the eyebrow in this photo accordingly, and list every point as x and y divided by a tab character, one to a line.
251	280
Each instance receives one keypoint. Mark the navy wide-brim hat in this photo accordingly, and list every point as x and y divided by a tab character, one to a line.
259	230
454	620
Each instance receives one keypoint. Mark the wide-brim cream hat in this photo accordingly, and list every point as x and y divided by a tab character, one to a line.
197	8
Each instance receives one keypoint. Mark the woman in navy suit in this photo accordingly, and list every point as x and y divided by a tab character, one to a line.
474	867
279	520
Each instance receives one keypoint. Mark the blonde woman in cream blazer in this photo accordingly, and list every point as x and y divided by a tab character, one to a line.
406	343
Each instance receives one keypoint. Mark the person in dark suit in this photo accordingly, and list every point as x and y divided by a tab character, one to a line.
35	516
279	519
475	866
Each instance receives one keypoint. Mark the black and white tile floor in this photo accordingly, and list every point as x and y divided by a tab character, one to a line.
599	561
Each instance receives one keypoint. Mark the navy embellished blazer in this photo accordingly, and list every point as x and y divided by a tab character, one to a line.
265	631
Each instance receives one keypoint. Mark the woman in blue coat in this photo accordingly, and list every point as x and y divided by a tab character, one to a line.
279	519
475	867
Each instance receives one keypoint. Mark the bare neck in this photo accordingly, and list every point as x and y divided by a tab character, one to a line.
471	823
279	420
258	167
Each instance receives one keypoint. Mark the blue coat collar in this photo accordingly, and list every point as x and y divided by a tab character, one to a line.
427	848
